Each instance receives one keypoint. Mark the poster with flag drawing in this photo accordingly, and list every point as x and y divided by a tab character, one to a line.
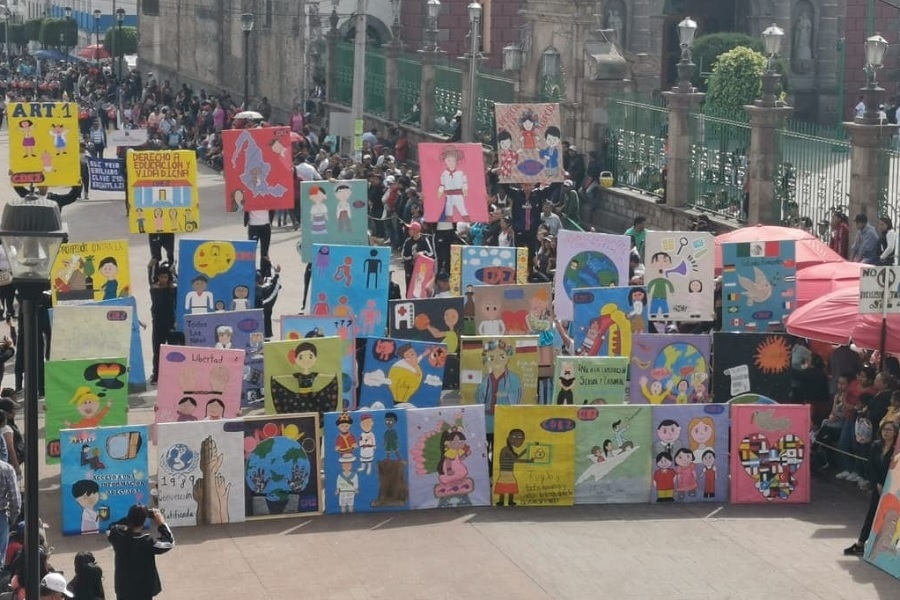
758	285
259	170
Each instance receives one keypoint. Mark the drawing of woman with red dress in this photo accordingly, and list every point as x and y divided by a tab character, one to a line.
529	125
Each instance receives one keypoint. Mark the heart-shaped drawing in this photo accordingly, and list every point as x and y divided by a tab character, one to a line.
772	466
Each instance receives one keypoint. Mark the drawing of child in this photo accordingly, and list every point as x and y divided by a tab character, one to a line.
454	186
550	154
88	405
318	212
224	336
241	299
109	268
664	478
685	475
509	156
28	141
343	193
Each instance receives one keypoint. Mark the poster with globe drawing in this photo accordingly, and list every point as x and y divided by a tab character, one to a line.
588	260
679	275
670	369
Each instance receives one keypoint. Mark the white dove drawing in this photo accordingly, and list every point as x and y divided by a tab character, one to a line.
757	290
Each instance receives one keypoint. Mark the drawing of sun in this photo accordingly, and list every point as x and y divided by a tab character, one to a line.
773	355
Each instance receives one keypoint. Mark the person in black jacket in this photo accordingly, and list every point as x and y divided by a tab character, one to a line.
163	299
135	553
267	289
879	463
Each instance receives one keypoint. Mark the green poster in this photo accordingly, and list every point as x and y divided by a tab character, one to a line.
303	376
590	379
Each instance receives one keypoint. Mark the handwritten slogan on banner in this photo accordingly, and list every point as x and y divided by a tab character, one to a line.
107	174
162	192
43	143
89	271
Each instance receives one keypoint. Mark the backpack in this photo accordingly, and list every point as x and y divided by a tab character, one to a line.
18	443
863	430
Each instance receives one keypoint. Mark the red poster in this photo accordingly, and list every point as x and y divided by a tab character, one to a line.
259	172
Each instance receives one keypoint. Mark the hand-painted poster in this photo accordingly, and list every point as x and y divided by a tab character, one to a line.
421	285
197	384
281	465
690	453
590	380
162	191
215	276
758	285
89	271
679	275
303	376
453	182
485	265
43	144
259	169
402	374
431	320
83	394
881	547
333	212
366	455
91	331
534	456
588	260
528	143
769	446
200	475
756	363
605	319
105	470
612	454
106	174
499	371
670	369
518	309
137	376
352	281
298	327
448	457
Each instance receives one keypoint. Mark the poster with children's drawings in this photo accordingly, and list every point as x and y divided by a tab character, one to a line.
197	384
588	260
88	271
679	271
421	285
162	191
758	285
104	471
881	546
758	363
453	182
595	380
303	376
485	265
605	320
534	456
402	374
518	309
689	462
43	144
200	473
333	212
366	454
448	457
431	320
528	143
258	168
770	453
612	454
282	463
91	331
298	327
137	376
670	369
215	276
83	394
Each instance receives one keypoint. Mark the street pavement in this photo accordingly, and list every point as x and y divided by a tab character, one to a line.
622	551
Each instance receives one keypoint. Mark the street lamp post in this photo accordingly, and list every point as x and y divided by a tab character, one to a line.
66	25
4	16
32	231
97	15
247	21
772	37
120	19
876	46
686	31
474	10
357	104
434	11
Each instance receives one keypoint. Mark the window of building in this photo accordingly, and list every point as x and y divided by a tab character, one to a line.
150	8
267	23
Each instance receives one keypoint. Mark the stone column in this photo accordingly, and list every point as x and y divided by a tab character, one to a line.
866	142
391	81
763	159
426	91
678	159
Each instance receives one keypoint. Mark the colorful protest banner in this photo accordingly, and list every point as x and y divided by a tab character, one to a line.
606	318
758	285
431	320
298	327
534	456
880	548
670	369
755	363
106	174
303	376
333	212
528	143
366	456
215	276
200	480
588	260
137	376
104	471
162	191
282	465
91	331
43	144
453	186
88	271
518	309
485	265
83	394
589	379
679	275
402	374
448	458
198	384
421	285
769	453
258	168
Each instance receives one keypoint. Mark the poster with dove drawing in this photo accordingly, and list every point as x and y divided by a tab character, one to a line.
199	384
758	285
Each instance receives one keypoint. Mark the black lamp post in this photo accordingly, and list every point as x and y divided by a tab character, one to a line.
247	21
32	231
66	26
4	16
97	15
120	18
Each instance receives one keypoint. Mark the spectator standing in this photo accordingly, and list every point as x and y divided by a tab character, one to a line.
267	289
137	577
10	504
98	139
638	233
887	241
415	245
878	465
865	246
163	300
87	584
551	219
840	234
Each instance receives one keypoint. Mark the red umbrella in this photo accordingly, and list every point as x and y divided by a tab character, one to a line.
816	281
93	52
809	250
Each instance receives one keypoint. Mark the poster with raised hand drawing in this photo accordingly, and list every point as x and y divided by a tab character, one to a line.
259	169
200	473
402	374
303	376
43	143
453	183
215	276
298	327
485	265
528	143
756	363
333	212
670	369
605	320
88	271
586	259
431	320
197	384
162	191
679	275
448	457
881	548
595	380
758	285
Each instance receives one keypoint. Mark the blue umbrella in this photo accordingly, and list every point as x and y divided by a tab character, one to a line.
49	55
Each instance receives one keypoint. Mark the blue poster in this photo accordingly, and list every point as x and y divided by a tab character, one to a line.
107	174
606	318
104	471
215	276
352	281
366	454
758	285
241	329
137	376
296	327
402	373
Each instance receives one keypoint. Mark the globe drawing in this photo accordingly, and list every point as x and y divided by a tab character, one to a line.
278	467
590	269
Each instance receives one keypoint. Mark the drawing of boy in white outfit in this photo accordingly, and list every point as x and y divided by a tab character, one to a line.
366	444
347	484
454	186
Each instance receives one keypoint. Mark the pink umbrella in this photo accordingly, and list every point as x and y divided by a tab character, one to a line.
809	250
816	281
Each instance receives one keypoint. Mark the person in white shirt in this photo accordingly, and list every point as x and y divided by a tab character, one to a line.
306	172
887	241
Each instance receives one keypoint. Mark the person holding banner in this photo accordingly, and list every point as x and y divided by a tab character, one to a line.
98	139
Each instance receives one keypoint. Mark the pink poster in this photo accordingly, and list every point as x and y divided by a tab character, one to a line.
422	283
453	184
770	453
259	170
199	384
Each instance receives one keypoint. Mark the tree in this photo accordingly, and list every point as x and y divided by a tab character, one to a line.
129	40
33	30
18	34
735	80
707	49
58	33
